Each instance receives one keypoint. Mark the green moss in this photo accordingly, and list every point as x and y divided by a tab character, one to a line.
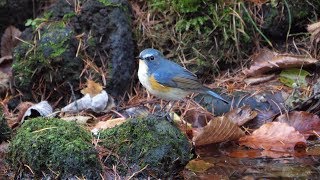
31	60
109	3
149	143
5	130
47	145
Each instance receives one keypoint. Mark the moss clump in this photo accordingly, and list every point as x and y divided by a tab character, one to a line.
5	130
54	146
149	143
43	57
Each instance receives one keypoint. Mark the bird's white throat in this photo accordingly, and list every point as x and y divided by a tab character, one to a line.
143	74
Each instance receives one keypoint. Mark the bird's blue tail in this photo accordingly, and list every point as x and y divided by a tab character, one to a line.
215	95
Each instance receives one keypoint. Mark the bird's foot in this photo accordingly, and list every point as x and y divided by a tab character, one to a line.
165	115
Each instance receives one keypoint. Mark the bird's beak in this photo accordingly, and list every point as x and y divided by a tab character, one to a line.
137	58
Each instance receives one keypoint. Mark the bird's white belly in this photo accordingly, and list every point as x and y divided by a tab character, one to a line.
171	94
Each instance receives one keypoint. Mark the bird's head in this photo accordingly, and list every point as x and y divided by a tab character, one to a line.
151	57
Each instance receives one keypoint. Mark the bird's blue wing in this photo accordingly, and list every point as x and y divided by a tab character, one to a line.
173	75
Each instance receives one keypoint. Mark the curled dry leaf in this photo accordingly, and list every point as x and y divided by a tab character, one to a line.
219	129
275	136
9	40
43	108
241	115
267	60
97	103
302	121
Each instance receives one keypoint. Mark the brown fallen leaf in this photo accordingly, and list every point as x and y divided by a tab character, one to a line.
302	121
259	80
92	88
267	60
241	115
219	129
314	30
275	136
9	40
199	165
198	117
108	124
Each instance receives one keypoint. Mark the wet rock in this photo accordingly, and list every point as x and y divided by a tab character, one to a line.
150	143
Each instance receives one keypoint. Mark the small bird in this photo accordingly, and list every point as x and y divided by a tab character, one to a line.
167	79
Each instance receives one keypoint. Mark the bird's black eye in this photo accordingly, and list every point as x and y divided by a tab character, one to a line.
151	58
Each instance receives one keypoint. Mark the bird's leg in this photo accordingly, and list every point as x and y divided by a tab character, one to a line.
167	112
162	112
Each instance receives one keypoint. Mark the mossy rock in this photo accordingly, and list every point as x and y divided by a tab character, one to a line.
150	143
51	61
54	147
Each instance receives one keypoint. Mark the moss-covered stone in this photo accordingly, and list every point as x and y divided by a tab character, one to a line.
5	130
55	147
292	15
149	143
43	57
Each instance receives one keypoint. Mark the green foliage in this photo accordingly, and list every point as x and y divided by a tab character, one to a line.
54	146
294	77
34	23
68	16
109	3
205	30
150	143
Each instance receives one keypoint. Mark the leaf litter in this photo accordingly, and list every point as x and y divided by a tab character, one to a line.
277	139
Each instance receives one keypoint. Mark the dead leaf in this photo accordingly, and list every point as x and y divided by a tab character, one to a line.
22	107
314	30
241	115
245	153
92	88
275	154
199	165
9	41
313	150
275	136
267	60
78	119
5	58
260	79
219	129
198	117
302	121
97	103
107	124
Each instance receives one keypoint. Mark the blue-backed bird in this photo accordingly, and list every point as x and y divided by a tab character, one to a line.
167	79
